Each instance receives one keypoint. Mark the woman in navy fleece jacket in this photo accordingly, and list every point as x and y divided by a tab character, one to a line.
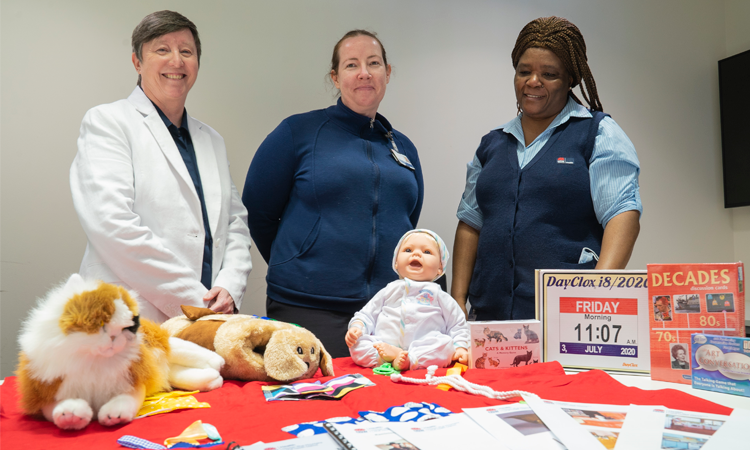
329	193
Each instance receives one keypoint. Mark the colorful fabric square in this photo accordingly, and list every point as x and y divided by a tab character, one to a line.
138	443
295	391
408	412
344	384
253	316
165	402
332	389
192	435
313	428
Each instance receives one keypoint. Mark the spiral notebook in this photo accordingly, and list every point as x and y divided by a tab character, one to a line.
367	436
454	431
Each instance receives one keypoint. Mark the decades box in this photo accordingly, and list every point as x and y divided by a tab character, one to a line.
686	299
721	364
504	344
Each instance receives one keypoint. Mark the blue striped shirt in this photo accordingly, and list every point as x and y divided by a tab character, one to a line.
613	168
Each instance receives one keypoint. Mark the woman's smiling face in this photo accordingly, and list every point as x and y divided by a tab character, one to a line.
542	84
168	68
362	75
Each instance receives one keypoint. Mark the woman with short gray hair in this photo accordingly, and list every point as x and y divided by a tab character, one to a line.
152	188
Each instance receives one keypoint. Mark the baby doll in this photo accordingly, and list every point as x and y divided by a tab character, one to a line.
411	322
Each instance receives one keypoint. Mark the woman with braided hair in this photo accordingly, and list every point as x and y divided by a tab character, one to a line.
554	188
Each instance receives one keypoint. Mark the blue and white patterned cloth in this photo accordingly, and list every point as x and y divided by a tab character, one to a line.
312	428
408	412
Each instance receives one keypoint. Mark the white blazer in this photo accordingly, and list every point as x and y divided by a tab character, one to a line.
142	216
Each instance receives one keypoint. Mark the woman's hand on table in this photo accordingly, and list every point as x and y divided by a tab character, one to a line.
219	300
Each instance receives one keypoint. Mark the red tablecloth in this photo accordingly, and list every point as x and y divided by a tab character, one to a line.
240	412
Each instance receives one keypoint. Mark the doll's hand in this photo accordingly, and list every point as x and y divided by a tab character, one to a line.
461	355
352	336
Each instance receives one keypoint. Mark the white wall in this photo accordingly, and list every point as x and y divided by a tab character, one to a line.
737	41
655	65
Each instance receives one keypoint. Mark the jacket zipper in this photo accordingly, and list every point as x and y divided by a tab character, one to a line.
374	236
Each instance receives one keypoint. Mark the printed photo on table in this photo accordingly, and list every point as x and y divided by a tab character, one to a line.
596	418
692	424
398	445
525	422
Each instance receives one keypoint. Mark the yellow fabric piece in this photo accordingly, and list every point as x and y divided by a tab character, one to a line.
191	435
457	369
165	402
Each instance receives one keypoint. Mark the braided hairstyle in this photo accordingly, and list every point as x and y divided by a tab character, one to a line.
566	41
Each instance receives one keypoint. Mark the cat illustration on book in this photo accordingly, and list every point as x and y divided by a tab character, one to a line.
479	363
521	358
531	336
494	362
517	335
479	342
496	335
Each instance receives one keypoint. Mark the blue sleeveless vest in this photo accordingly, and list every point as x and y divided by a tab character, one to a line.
538	217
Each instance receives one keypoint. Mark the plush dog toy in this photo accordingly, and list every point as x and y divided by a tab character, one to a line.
254	349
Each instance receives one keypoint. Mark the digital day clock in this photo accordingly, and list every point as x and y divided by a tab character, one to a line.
595	319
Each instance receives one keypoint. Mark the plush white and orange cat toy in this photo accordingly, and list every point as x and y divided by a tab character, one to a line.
85	353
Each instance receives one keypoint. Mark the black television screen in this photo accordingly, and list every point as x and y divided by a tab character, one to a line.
734	97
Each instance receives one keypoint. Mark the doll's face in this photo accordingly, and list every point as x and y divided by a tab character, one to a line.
419	258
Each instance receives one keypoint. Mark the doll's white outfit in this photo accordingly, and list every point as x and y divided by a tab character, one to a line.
416	316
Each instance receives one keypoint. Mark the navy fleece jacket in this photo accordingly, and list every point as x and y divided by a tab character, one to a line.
327	203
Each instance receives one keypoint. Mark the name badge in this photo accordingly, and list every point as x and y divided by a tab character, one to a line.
402	159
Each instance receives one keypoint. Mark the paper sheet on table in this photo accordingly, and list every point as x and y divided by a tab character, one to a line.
643	428
581	426
456	431
733	434
516	426
317	442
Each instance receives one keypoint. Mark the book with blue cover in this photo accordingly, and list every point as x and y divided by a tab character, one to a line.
721	363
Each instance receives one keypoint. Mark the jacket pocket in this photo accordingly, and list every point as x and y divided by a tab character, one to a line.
591	265
306	245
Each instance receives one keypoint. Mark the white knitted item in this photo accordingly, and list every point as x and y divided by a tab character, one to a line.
460	384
